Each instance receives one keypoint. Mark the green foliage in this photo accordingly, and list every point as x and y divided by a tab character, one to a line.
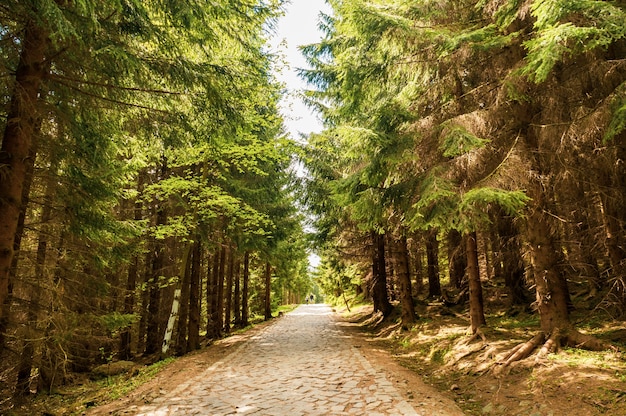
618	121
115	321
474	206
565	28
458	141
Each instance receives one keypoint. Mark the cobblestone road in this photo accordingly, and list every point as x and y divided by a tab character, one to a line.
300	365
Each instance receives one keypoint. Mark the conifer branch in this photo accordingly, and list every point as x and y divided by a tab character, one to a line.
116	87
111	100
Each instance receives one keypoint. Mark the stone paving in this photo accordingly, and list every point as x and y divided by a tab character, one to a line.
300	365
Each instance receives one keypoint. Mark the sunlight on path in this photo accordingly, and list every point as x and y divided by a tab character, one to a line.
302	364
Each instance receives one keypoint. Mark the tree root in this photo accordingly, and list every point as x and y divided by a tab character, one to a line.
522	351
559	337
475	336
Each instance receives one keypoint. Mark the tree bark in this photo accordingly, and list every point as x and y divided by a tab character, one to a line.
408	316
244	290
456	258
550	284
212	306
418	267
183	314
228	292
380	296
268	291
153	333
193	329
131	282
477	315
237	294
219	322
432	257
512	263
29	344
16	150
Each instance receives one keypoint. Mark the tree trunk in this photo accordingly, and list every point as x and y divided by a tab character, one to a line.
219	323
212	332
418	267
456	258
131	283
432	256
244	290
193	329
477	316
237	294
512	263
404	283
153	338
268	291
17	149
228	300
27	357
379	276
183	314
550	284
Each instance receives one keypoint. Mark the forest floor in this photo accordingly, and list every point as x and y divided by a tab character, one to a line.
571	382
433	364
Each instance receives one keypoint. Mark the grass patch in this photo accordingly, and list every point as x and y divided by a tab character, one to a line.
118	386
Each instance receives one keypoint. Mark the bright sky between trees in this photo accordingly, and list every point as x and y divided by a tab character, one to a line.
299	26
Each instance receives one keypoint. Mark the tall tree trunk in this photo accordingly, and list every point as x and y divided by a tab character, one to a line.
456	258
432	257
5	314
614	241
142	331
379	276
228	301
212	332
404	282
153	327
131	282
245	290
221	277
153	333
512	262
268	291
28	350
193	329
418	266
17	148
183	313
237	294
477	315
550	284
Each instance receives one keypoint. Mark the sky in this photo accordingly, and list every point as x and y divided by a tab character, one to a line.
298	27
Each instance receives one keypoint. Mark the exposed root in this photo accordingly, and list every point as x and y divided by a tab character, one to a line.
466	352
576	339
524	350
557	338
550	346
475	336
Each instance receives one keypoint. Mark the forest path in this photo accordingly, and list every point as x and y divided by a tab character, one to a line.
302	364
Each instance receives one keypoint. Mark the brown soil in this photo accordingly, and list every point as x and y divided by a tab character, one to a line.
572	382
